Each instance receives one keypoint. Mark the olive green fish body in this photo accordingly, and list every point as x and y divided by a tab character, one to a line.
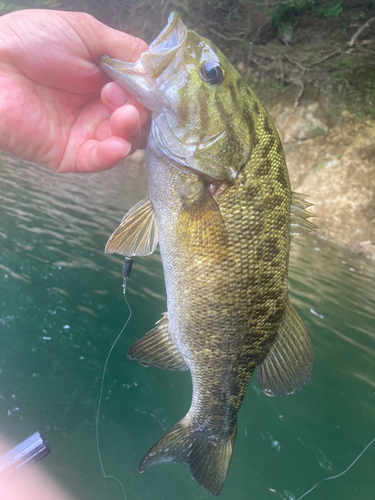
221	208
224	309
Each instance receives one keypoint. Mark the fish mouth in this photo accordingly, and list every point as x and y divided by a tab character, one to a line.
163	49
139	78
155	80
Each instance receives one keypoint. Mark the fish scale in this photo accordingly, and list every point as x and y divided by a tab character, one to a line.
221	208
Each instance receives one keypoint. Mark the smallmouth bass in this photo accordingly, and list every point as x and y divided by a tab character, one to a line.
221	208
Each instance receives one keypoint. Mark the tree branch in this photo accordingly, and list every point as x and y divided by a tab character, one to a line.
358	32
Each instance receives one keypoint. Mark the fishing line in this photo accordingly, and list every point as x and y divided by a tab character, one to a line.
125	272
341	473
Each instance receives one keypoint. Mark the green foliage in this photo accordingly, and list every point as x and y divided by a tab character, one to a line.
343	62
50	4
5	8
330	9
285	13
254	83
275	86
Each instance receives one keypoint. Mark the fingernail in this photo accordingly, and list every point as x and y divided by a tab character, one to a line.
134	122
116	95
126	152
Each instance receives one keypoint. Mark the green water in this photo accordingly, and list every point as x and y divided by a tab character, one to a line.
62	307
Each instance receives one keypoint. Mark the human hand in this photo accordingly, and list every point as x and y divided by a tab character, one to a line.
50	106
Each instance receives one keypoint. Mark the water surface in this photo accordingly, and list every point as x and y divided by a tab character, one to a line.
61	308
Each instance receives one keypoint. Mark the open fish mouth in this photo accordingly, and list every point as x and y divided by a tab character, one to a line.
164	48
168	80
139	78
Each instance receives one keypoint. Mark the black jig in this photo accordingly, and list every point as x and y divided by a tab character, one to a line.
127	267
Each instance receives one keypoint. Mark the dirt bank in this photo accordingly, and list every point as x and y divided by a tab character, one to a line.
335	165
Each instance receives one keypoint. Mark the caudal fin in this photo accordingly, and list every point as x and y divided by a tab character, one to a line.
208	456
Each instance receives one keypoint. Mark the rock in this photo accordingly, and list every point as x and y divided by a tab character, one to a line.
337	170
241	67
306	122
345	114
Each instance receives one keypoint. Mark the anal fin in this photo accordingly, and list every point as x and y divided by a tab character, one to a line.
158	349
137	234
287	366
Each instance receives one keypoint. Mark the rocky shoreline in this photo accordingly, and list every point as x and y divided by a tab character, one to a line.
335	166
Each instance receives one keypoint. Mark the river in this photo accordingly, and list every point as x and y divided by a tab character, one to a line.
62	307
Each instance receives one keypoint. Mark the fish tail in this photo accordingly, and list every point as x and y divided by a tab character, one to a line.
208	455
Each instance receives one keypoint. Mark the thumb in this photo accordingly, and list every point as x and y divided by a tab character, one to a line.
101	39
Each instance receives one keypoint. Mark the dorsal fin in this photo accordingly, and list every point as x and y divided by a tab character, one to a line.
137	234
299	215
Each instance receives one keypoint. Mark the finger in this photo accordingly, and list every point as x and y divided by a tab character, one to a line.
125	122
113	96
103	131
101	39
94	156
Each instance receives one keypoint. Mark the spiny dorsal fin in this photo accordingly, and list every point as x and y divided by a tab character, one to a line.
287	366
209	456
137	234
157	348
299	215
201	226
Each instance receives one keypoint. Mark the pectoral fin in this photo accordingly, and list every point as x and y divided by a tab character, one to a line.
287	367
201	226
137	233
158	349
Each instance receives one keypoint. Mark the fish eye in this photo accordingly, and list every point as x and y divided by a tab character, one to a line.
212	73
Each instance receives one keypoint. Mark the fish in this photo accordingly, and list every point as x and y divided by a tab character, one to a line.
221	208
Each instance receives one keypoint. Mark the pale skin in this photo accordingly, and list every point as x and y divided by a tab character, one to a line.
57	106
29	482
